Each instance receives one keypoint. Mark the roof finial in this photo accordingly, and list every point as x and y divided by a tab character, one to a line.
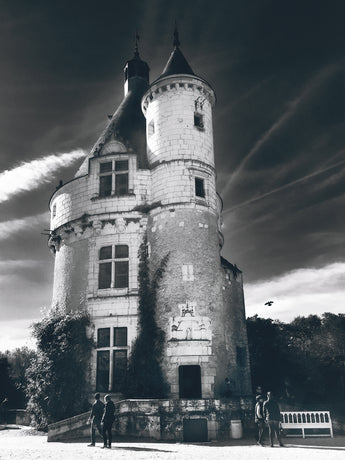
176	39
136	48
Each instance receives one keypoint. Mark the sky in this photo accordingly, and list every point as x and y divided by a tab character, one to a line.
278	70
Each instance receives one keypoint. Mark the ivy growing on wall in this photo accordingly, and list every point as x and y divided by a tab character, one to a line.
57	381
145	378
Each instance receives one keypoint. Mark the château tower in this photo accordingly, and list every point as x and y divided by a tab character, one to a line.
151	177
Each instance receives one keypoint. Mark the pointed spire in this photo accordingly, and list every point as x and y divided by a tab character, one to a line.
176	42
177	63
136	47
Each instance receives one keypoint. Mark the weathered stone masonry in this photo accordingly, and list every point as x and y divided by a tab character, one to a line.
152	172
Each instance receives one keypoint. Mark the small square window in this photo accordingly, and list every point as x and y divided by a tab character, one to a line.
198	120
120	336
105	253
121	251
103	337
105	167
199	187
54	211
121	165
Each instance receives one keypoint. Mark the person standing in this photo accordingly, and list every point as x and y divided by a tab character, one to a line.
272	417
96	418
259	417
108	420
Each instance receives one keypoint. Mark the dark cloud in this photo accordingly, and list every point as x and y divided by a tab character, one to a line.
278	72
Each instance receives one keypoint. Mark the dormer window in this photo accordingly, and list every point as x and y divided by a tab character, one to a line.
113	178
199	120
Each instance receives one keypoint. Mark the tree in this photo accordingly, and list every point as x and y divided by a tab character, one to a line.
58	379
19	360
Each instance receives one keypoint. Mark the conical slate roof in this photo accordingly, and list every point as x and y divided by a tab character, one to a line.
177	64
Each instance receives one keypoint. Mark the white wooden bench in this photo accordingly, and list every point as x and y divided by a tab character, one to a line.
314	420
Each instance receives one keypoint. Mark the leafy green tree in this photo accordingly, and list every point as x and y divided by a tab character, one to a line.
58	379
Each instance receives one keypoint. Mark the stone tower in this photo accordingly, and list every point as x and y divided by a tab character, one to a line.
152	173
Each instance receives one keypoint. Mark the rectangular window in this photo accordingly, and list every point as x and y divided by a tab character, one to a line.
105	253
121	274
105	185
105	167
119	369
121	165
103	337
104	275
102	378
121	251
113	268
199	120
199	187
120	336
121	184
121	177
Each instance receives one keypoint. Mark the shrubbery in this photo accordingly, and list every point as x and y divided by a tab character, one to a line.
57	381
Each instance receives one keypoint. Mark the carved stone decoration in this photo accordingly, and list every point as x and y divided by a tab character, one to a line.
97	225
190	328
120	224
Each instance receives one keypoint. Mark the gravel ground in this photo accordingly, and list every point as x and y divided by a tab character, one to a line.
28	444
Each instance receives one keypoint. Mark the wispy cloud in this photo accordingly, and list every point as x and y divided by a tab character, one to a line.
287	115
30	175
11	227
283	187
301	292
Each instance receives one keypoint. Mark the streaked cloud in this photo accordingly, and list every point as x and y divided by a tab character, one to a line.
288	185
302	292
31	175
11	227
281	121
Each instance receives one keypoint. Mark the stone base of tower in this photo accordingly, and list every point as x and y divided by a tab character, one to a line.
179	420
184	420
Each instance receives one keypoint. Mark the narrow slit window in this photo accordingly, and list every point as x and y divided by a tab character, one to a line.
199	187
198	120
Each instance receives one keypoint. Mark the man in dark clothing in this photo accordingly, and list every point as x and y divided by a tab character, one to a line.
272	417
259	417
108	420
96	418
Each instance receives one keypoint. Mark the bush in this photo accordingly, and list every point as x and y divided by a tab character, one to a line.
57	381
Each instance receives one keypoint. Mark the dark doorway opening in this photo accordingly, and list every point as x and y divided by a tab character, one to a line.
190	382
195	430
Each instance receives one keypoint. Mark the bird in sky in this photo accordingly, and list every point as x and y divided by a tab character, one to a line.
269	302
